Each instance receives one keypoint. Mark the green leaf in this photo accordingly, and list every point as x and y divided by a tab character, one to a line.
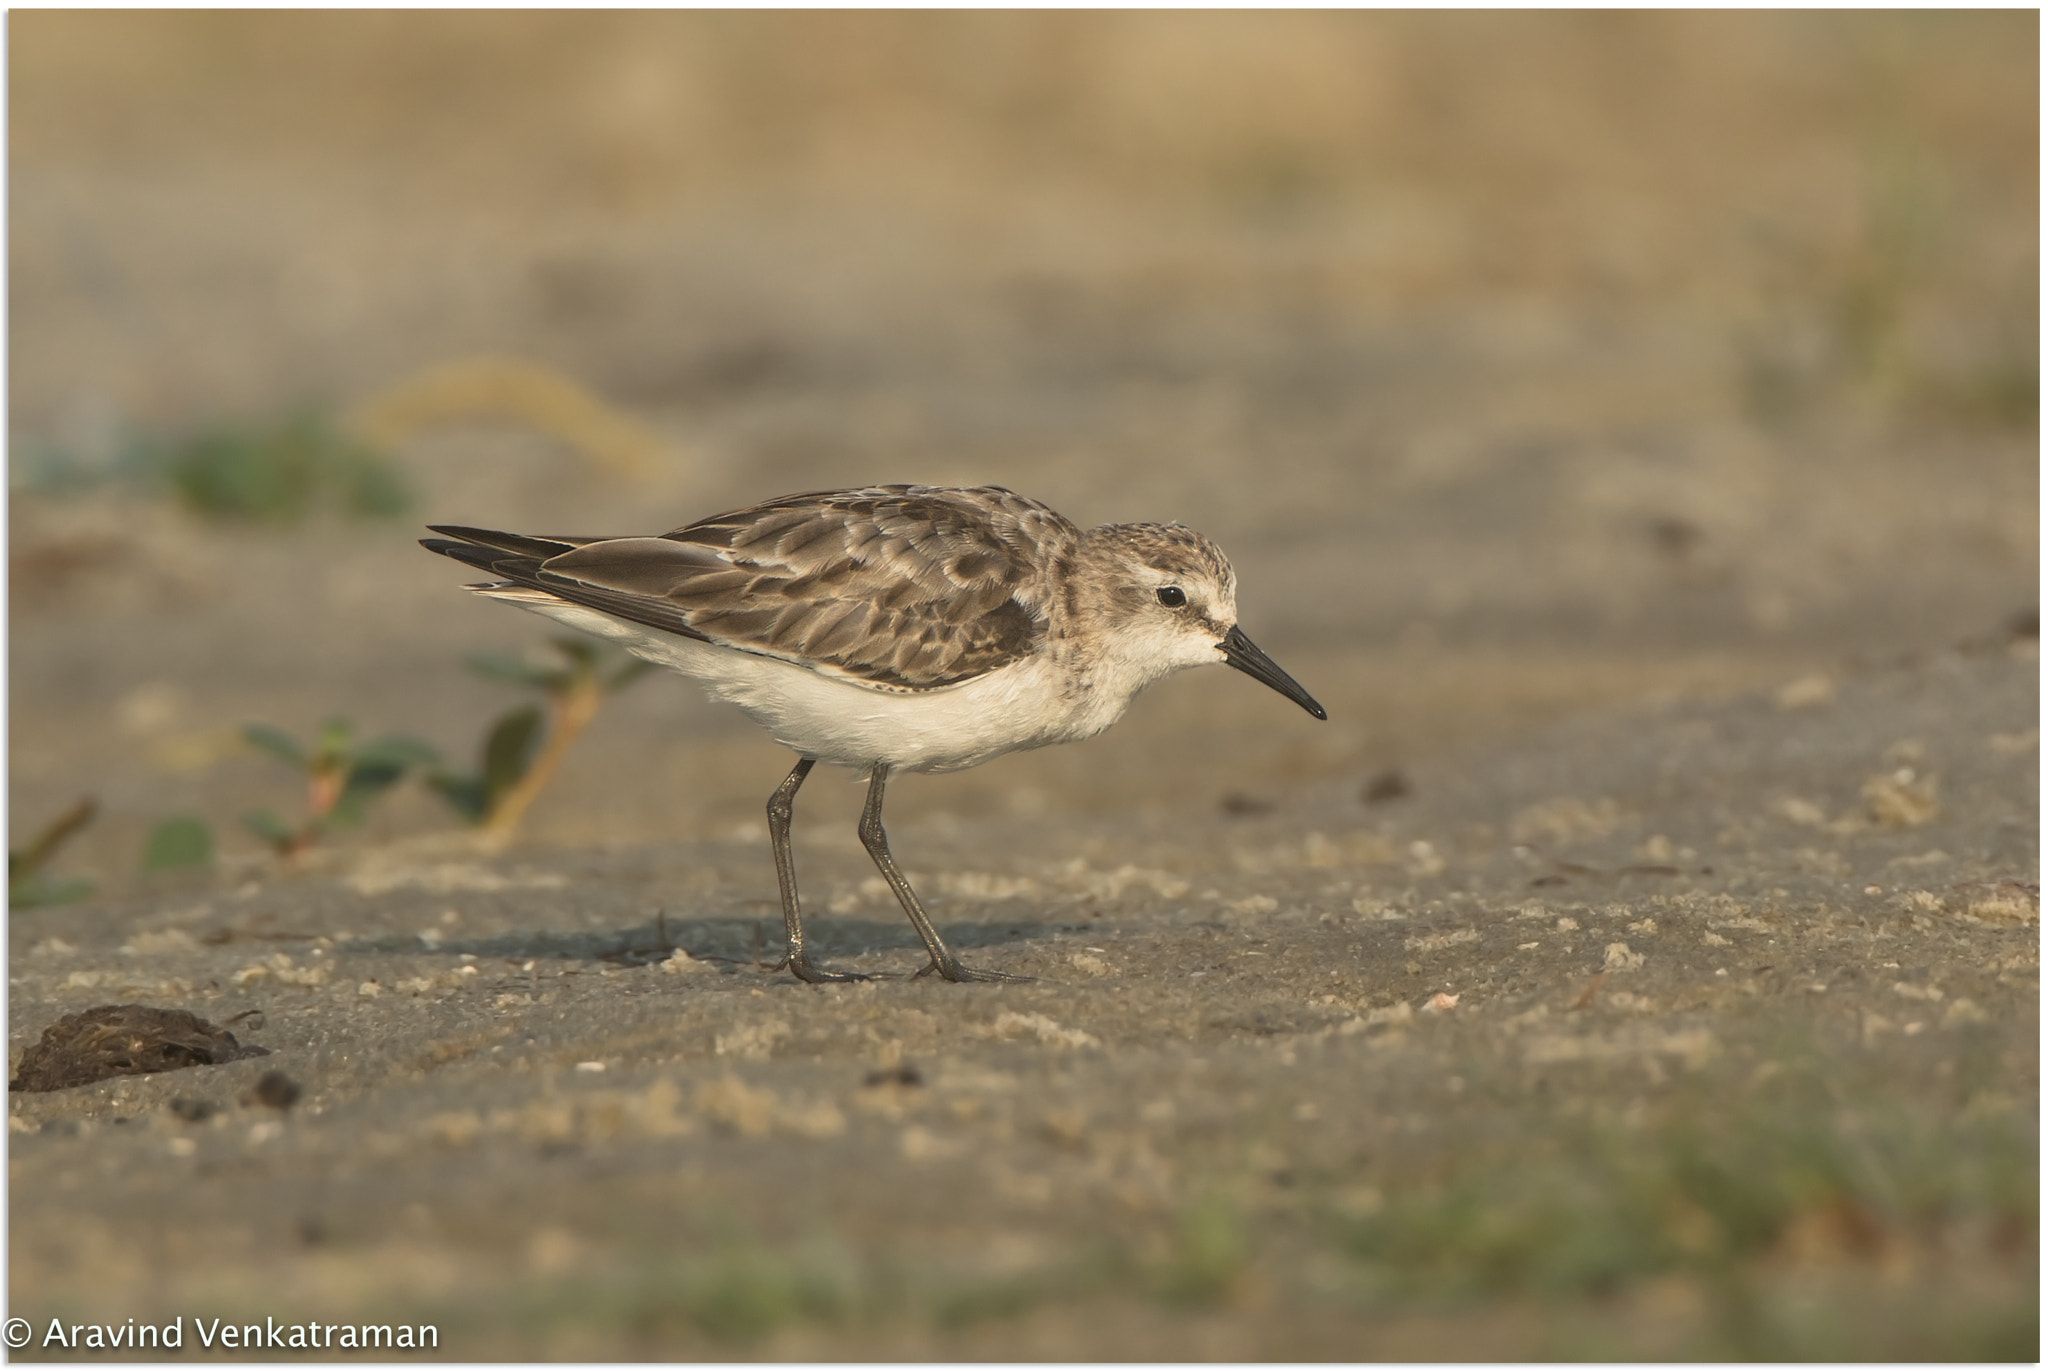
277	743
335	736
464	794
271	829
39	890
398	749
366	781
180	840
508	751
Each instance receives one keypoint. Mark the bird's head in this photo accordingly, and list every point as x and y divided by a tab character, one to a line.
1166	599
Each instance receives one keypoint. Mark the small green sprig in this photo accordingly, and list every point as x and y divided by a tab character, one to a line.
342	779
524	746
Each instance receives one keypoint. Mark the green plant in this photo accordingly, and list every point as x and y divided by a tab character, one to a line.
28	884
342	778
1707	1189
1207	1254
284	471
746	1292
179	841
519	754
1850	322
278	471
506	759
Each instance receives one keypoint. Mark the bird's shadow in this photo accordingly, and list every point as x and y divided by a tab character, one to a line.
739	942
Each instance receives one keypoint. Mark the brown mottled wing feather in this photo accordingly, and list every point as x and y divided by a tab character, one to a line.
911	587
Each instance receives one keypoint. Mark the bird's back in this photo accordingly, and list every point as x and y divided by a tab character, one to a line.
899	588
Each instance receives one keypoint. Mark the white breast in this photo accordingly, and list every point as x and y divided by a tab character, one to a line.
1030	703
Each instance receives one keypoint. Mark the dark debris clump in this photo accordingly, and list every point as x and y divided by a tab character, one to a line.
124	1040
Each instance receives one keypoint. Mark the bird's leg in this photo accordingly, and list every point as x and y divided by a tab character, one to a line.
781	808
877	843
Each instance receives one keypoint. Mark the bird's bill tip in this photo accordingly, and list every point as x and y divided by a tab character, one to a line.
1240	652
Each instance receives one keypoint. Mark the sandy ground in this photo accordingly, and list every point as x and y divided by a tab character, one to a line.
524	1126
1643	473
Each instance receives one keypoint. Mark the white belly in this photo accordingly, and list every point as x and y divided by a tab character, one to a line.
1026	704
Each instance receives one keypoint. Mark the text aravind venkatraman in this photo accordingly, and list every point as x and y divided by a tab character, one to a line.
269	1335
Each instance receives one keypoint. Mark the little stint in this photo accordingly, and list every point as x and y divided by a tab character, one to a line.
894	628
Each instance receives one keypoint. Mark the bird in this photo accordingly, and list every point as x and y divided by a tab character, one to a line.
893	628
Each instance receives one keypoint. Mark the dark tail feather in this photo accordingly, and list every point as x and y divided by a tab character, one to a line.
510	557
524	570
517	543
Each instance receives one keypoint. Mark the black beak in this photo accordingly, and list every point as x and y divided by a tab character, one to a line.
1240	653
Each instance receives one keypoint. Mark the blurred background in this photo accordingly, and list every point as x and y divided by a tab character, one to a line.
1522	362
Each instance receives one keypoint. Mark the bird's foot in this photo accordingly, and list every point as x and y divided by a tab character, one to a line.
800	966
952	969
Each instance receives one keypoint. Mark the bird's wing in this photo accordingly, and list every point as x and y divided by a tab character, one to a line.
903	587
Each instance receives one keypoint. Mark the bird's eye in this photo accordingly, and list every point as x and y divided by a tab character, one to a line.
1173	597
